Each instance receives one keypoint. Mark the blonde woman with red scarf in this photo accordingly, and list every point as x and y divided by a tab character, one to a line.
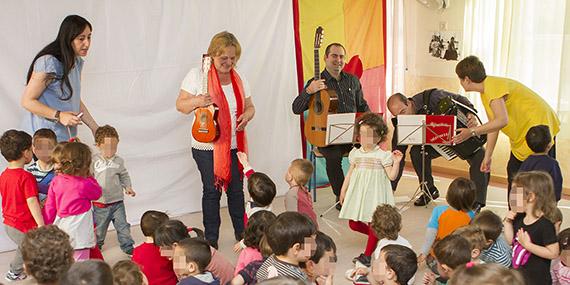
217	162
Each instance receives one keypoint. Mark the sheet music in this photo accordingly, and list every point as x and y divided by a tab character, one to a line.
340	128
410	129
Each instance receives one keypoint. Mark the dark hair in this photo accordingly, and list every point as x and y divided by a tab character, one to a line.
126	272
386	222
88	272
103	132
76	159
328	48
151	220
324	243
538	138
199	233
13	143
261	189
461	194
488	274
61	48
490	223
257	225
44	134
375	122
47	253
471	67
402	260
170	232
301	171
452	250
398	96
289	228
196	250
564	239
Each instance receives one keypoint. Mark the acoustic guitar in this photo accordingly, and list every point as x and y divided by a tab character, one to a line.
321	103
205	127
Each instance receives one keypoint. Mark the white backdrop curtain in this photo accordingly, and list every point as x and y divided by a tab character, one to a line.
395	47
525	40
141	50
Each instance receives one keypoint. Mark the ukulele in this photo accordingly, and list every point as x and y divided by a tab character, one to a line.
205	127
321	103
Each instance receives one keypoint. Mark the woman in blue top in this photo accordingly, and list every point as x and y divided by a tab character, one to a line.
53	90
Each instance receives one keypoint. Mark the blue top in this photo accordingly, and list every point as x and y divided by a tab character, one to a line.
52	95
547	164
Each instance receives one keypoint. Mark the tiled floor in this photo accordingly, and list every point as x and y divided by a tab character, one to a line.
349	243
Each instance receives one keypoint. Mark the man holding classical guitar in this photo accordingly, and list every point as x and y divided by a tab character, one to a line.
430	102
349	99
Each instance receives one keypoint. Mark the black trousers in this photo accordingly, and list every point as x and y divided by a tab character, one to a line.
211	195
481	179
333	156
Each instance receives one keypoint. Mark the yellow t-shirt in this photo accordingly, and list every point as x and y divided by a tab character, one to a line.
525	109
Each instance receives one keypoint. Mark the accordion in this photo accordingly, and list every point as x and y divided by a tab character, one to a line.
466	149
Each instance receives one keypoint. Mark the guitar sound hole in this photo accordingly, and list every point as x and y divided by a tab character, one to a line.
318	106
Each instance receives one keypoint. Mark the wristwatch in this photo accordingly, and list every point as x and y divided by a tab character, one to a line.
473	133
56	116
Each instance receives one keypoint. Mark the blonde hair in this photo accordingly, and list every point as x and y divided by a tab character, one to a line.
76	159
301	171
56	153
474	235
222	40
540	184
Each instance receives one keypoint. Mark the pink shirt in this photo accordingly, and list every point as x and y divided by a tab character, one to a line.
560	273
298	199
220	267
246	256
70	195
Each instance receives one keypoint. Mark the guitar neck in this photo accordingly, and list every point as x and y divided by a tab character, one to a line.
317	65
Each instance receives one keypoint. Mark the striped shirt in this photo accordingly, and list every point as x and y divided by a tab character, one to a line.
347	88
273	267
40	174
499	252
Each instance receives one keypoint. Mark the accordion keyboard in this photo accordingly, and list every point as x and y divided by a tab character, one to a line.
445	151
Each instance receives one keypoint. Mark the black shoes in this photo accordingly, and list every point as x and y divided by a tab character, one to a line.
425	199
364	259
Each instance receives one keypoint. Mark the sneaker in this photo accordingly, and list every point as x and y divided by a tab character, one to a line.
364	259
11	276
425	199
361	280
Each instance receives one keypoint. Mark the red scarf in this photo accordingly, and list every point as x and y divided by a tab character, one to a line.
222	146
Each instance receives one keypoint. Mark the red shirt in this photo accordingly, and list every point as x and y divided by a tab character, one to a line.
157	269
17	185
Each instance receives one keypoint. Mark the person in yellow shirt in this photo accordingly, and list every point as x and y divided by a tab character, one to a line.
511	108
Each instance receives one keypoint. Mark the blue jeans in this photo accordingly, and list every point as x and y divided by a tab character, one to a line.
115	213
211	196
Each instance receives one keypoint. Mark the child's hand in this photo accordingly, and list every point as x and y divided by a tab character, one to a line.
324	280
242	157
397	156
524	238
130	192
360	271
421	258
510	216
429	278
341	198
237	247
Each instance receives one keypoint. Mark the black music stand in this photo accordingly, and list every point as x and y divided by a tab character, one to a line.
414	133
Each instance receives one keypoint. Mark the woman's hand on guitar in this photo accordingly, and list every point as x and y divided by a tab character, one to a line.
204	100
316	86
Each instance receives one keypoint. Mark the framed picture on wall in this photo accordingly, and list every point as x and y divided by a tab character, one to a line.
444	45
